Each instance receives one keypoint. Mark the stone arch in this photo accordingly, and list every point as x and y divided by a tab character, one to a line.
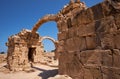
55	43
47	37
44	20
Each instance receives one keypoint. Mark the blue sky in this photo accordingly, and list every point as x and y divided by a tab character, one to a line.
16	15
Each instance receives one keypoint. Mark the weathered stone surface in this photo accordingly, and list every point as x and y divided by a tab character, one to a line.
75	44
24	48
116	40
88	41
90	63
62	35
117	18
116	58
91	42
3	58
85	17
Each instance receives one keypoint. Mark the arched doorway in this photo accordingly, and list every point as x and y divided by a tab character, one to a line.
43	21
49	43
49	29
54	42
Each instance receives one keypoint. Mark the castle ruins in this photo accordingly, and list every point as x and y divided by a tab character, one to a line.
88	45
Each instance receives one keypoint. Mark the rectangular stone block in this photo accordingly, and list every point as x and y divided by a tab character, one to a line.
62	25
75	44
116	58
110	73
62	35
85	30
107	41
92	72
91	42
72	32
64	59
84	56
81	30
117	40
117	20
85	17
90	29
107	58
106	8
97	12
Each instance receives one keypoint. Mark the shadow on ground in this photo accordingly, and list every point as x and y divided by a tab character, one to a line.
47	73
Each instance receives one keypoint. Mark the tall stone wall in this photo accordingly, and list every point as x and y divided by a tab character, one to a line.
23	48
89	41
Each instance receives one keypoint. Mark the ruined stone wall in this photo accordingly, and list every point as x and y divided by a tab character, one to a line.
2	58
89	41
23	48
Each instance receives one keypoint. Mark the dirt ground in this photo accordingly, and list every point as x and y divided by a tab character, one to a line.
37	72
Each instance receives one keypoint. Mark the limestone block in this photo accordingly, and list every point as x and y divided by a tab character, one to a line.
106	25
90	29
117	40
63	59
81	30
95	57
62	35
85	30
107	41
91	42
87	74
106	9
117	21
63	26
72	32
116	58
75	44
92	73
97	12
69	45
71	64
107	59
85	17
91	57
110	73
74	22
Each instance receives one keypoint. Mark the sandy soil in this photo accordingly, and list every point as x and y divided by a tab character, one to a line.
37	72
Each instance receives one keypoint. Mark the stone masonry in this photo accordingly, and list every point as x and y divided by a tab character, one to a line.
88	39
23	47
88	44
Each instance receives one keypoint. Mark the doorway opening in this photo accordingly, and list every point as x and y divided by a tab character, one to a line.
31	53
